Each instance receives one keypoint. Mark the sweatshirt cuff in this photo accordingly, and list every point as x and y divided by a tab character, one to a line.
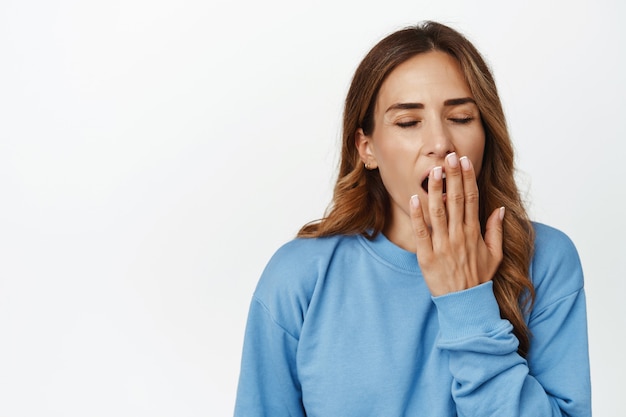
468	313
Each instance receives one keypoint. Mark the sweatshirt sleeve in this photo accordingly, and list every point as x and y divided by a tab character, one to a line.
268	384
268	381
489	376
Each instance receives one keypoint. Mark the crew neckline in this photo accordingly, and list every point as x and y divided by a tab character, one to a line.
390	253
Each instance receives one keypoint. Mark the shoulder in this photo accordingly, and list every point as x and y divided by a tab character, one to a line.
292	275
555	270
309	250
552	239
298	262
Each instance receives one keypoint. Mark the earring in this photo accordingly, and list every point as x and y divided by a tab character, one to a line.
367	166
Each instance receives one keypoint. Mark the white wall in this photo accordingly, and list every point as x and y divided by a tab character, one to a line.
154	154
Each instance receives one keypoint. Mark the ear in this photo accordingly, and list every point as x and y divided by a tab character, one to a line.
365	147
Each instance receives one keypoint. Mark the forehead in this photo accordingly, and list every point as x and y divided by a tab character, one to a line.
429	77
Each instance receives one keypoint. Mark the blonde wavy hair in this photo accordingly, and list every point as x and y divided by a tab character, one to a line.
360	202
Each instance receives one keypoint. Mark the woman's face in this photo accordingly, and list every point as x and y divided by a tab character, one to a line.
424	111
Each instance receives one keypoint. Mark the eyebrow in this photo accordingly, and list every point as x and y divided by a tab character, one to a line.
405	106
449	102
458	101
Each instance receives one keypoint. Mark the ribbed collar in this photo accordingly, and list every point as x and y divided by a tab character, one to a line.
389	252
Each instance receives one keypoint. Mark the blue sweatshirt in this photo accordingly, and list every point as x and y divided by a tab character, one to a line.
343	326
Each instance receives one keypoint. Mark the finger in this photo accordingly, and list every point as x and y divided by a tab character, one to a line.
470	189
436	208
494	233
455	197
420	228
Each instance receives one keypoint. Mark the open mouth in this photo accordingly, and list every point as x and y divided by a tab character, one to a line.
425	183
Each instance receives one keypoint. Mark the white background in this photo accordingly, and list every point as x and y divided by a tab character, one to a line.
154	154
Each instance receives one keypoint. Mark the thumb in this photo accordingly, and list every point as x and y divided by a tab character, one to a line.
494	233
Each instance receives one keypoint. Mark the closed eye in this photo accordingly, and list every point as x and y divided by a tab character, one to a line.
407	124
462	120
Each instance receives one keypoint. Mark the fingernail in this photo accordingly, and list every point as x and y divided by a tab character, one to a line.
436	172
453	161
465	163
502	210
415	201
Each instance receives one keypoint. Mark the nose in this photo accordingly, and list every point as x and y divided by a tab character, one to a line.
438	142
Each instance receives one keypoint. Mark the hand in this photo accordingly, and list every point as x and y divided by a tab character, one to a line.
452	254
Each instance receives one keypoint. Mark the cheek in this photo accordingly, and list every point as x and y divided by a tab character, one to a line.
477	161
401	182
397	156
398	173
476	151
392	157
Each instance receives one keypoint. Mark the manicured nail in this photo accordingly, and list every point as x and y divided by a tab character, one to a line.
453	161
465	163
502	210
436	173
415	201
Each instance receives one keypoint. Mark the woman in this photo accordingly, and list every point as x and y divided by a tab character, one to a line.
416	294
